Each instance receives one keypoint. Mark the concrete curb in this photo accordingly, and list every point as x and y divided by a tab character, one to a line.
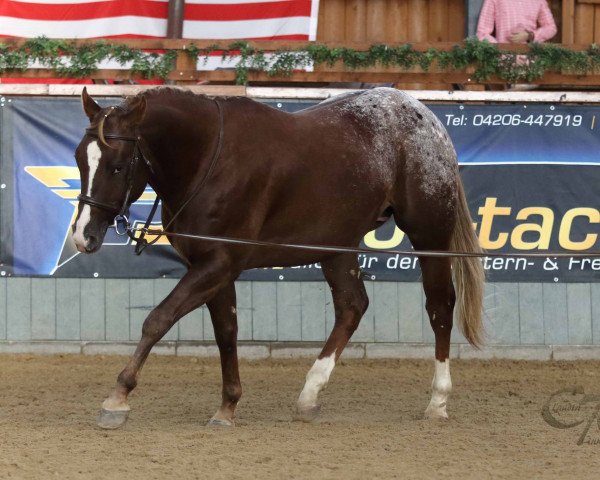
295	350
579	352
40	348
408	351
492	352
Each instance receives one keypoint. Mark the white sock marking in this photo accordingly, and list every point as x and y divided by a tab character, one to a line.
441	387
93	158
316	380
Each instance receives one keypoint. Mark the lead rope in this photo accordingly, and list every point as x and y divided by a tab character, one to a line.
142	243
340	249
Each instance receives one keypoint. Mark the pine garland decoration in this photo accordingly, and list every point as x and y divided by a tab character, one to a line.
486	59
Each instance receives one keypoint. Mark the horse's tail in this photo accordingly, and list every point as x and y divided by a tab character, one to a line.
469	276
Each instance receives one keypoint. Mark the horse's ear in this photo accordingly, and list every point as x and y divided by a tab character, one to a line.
90	107
136	109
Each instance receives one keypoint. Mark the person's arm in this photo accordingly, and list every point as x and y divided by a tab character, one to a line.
546	25
487	21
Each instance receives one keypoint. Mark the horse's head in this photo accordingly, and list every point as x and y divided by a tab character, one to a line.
108	158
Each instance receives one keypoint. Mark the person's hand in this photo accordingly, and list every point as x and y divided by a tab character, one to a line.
519	37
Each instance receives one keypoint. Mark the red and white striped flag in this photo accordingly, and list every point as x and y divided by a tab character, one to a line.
203	19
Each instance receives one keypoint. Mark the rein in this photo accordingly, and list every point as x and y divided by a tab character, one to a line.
340	249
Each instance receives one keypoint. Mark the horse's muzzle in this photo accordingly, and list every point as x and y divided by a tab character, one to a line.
92	244
90	240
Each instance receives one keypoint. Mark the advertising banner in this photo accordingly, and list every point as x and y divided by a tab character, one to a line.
531	174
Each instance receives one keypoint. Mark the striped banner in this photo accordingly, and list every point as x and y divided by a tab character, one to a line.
203	19
206	19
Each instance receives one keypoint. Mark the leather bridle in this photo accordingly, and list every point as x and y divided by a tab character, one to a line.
120	211
121	222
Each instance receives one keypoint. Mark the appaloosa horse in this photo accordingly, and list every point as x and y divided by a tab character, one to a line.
326	175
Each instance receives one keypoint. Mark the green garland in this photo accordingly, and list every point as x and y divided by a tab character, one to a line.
486	59
69	60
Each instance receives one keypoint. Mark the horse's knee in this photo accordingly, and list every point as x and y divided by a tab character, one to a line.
226	331
156	325
363	303
351	308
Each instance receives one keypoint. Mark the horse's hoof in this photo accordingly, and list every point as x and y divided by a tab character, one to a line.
111	419
436	413
219	422
307	414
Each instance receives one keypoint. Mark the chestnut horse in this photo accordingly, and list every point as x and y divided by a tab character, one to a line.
326	175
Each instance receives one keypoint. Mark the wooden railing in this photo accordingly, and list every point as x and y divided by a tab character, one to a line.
186	72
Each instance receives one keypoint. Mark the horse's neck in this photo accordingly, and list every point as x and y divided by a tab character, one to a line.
182	139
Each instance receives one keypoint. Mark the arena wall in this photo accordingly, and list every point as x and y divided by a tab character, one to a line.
112	310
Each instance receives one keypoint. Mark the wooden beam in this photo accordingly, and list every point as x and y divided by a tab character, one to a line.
447	78
175	20
563	97
584	23
338	75
272	45
568	22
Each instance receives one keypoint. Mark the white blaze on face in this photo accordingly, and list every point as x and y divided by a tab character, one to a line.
441	387
316	380
93	158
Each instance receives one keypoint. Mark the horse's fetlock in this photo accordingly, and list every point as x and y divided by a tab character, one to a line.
232	393
127	381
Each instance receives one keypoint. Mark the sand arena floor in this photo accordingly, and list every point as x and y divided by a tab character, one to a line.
371	425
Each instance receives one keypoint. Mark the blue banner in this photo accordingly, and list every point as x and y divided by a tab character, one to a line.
531	174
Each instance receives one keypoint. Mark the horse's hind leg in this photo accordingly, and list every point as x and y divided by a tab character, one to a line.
350	302
440	299
224	318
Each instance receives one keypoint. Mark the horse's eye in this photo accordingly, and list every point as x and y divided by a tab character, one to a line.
117	170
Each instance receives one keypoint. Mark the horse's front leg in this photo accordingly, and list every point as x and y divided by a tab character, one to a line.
224	318
196	287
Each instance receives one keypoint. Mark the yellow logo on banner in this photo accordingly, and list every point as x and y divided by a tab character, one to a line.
57	180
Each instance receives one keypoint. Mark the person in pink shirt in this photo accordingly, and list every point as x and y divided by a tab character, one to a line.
515	21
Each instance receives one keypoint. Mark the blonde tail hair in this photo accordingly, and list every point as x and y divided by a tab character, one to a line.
469	275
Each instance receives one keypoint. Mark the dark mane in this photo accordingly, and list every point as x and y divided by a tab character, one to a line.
187	98
168	93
